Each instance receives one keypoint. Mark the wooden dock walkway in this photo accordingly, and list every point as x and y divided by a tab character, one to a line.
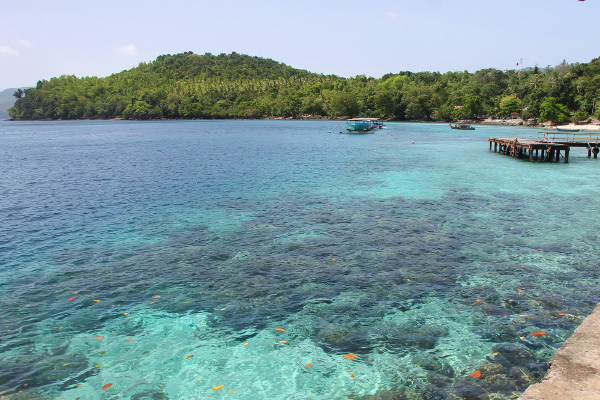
548	146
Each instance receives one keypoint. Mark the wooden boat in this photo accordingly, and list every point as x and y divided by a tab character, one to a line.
464	127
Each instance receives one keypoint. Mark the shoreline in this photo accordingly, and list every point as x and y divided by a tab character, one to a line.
306	118
574	369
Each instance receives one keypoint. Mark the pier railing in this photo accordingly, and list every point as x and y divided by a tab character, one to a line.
569	137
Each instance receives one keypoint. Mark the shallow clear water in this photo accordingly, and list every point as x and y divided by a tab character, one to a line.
276	244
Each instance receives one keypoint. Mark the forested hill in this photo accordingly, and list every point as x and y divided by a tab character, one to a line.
234	85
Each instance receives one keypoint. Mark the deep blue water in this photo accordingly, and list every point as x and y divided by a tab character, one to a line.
278	244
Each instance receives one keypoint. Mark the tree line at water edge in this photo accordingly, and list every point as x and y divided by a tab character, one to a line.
188	85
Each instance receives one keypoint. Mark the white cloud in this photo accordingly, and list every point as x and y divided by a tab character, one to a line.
391	15
24	43
127	50
8	51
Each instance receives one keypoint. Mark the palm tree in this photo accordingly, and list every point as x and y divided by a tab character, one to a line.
536	81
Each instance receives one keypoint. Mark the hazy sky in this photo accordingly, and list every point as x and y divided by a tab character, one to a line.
40	39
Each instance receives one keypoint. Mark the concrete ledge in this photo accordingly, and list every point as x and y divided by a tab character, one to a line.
574	372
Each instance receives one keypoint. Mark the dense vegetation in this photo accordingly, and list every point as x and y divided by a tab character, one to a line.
233	85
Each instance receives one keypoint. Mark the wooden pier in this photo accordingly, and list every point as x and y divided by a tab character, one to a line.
548	146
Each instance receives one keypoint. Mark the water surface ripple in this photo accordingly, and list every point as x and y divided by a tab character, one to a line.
283	260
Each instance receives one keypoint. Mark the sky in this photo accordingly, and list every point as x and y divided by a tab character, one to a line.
41	39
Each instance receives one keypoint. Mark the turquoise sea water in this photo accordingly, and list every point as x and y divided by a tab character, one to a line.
279	247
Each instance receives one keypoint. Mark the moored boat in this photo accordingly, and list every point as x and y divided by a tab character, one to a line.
363	125
464	127
565	129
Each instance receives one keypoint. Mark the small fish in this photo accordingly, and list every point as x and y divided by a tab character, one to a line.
475	374
190	356
129	340
333	259
308	365
106	386
352	376
152	302
537	333
126	313
350	356
245	344
156	297
282	341
215	388
495	354
100	338
279	329
97	301
71	298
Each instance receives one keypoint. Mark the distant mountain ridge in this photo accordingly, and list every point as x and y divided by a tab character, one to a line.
6	101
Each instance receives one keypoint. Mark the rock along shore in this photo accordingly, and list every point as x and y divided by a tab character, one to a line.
574	372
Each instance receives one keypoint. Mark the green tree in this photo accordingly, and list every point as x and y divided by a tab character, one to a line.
472	107
580	116
550	110
509	105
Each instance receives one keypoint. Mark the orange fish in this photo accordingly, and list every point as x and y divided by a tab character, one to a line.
476	374
106	386
307	365
71	299
190	356
97	301
537	333
126	313
156	297
245	344
352	376
282	341
152	302
350	356
218	387
100	338
129	340
279	329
